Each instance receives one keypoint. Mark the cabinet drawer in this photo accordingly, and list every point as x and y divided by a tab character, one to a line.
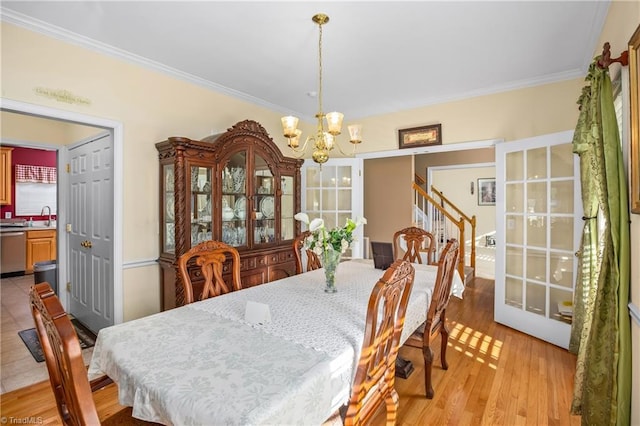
261	261
248	263
273	259
286	256
195	272
41	233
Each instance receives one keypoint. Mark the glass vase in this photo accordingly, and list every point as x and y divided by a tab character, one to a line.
330	261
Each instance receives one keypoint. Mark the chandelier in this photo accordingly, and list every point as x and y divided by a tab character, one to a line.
323	141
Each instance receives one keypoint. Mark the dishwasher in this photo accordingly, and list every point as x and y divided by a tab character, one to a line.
13	256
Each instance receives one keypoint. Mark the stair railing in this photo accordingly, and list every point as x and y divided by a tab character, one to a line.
433	217
448	204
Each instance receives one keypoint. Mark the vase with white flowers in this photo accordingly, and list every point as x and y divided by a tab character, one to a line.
329	244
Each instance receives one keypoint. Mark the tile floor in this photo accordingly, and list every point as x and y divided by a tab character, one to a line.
17	367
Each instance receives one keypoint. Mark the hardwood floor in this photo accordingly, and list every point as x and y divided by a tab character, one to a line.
496	376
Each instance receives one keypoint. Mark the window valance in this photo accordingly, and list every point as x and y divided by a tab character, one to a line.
35	174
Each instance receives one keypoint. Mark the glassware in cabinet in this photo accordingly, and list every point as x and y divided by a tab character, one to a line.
234	203
201	197
168	201
287	209
264	202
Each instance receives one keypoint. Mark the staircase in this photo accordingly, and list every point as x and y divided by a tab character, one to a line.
438	215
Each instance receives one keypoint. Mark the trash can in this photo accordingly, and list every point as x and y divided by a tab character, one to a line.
46	272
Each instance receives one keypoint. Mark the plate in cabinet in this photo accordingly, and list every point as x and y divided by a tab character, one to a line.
267	207
241	208
171	208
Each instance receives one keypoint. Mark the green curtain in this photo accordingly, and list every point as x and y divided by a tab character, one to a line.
600	333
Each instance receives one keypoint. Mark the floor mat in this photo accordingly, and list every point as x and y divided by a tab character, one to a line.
30	339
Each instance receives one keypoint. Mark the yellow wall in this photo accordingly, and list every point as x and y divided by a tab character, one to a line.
457	184
29	129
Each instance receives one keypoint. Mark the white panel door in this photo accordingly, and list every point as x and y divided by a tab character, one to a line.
334	192
538	225
90	240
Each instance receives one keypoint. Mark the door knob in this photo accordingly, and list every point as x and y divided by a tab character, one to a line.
86	244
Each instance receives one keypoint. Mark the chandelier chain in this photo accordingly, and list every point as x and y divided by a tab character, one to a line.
320	112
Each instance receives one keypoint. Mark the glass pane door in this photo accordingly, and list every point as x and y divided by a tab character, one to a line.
264	227
287	226
334	193
200	204
234	208
537	220
169	202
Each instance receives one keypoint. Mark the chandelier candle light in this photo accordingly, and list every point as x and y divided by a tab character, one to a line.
324	140
329	245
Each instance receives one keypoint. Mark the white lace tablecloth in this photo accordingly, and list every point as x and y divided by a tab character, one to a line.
204	364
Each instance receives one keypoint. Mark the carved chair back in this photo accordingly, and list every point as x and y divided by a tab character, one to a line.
313	261
210	257
63	357
420	244
375	375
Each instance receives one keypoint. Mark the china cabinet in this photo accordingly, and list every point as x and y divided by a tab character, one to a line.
234	187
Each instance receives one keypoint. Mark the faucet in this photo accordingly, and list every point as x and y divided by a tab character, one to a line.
42	214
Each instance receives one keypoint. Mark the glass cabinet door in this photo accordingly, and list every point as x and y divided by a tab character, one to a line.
168	201
234	208
264	225
201	195
287	222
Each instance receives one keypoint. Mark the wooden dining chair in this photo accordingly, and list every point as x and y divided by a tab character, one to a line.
374	382
419	243
210	257
63	357
313	260
436	315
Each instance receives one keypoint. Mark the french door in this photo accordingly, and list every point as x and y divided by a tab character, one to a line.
538	226
334	192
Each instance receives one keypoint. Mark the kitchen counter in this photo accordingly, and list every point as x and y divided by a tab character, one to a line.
4	229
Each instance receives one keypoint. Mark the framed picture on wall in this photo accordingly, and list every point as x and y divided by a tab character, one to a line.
420	136
487	191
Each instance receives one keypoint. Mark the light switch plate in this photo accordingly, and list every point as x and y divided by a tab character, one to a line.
7	215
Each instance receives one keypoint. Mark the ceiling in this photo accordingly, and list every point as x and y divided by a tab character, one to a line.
378	56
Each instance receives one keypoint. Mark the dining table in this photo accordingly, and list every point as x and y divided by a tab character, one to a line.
213	363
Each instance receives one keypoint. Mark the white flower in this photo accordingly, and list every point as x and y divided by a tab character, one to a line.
315	224
323	240
302	217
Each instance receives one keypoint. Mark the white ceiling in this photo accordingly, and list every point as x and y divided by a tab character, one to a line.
378	56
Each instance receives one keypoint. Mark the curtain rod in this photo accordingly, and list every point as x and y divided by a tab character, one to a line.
606	60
